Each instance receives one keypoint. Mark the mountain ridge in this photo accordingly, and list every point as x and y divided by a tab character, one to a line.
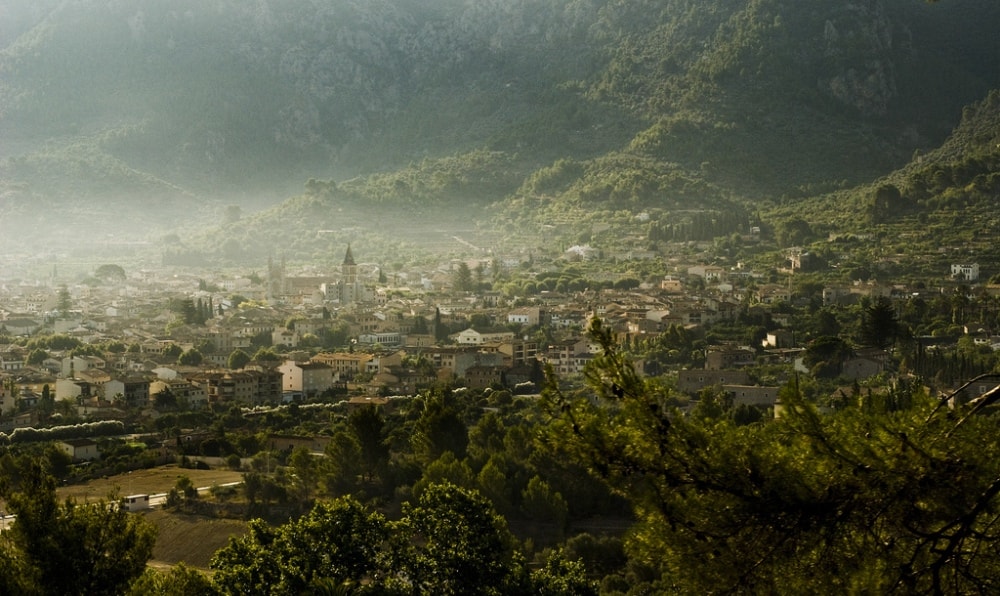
147	104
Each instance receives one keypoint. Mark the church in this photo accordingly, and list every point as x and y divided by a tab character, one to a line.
350	289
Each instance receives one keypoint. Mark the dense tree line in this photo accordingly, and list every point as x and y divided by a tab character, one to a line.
870	499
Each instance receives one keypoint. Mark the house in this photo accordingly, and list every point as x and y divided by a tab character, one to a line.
11	359
228	386
752	395
269	383
181	389
454	361
359	402
389	339
694	380
471	337
80	449
20	326
707	272
134	390
965	272
481	377
720	359
135	502
345	365
861	368
671	285
779	338
74	364
525	316
74	389
384	362
8	401
570	356
284	337
311	378
519	352
772	293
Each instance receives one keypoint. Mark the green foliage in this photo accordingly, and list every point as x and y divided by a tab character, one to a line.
481	174
335	541
69	547
173	352
440	429
464	103
825	356
110	273
180	580
462	278
541	503
237	359
190	357
562	577
266	354
861	500
451	542
58	342
368	427
36	357
879	325
344	466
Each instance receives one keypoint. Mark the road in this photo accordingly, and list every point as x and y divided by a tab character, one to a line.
159	499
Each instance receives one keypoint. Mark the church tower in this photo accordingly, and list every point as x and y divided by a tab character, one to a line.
349	288
349	269
276	286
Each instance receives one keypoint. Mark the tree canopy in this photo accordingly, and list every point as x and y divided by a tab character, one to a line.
867	499
449	541
69	548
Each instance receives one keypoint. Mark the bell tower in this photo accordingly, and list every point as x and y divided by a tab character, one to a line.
349	269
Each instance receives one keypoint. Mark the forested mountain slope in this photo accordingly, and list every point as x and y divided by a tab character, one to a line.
152	104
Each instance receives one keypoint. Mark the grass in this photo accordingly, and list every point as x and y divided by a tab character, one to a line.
181	537
191	539
149	481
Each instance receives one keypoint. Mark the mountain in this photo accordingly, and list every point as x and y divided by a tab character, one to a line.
173	110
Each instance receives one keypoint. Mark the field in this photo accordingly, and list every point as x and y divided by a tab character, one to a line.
192	539
150	481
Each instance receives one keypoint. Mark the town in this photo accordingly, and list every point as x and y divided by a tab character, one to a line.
125	346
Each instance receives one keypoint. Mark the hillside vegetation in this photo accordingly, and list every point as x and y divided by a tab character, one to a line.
178	108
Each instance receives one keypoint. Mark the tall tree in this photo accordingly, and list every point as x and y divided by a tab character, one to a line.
190	357
338	540
368	426
453	542
65	301
450	541
900	499
462	278
110	273
238	359
72	548
440	429
879	325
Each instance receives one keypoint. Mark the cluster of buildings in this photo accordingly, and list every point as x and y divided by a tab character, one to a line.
400	338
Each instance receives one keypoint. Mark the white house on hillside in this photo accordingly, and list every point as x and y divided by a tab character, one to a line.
966	272
471	337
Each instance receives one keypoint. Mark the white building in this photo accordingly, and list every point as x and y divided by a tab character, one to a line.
309	378
525	316
471	337
966	272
